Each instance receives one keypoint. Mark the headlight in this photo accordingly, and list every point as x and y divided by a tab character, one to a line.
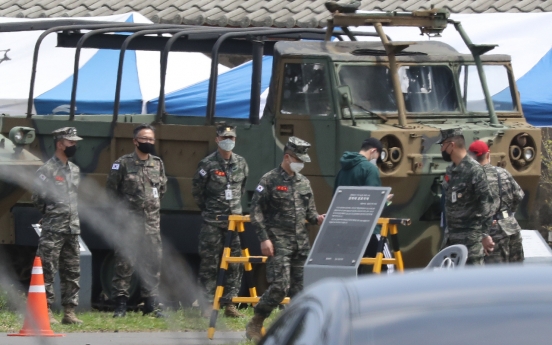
395	154
515	152
22	135
384	155
528	153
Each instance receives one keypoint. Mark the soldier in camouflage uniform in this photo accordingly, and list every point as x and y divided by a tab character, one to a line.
138	181
507	195
217	187
468	199
56	197
282	202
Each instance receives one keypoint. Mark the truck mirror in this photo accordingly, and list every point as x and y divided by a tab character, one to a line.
344	96
22	135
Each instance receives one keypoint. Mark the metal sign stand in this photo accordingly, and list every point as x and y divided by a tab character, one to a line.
342	240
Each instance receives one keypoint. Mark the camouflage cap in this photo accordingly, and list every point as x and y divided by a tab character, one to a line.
69	133
224	130
298	148
450	133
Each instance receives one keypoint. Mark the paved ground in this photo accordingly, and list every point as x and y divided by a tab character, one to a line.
157	338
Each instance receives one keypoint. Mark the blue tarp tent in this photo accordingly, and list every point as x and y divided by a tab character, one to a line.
233	94
535	92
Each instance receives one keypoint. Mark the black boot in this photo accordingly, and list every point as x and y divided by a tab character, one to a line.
151	306
120	306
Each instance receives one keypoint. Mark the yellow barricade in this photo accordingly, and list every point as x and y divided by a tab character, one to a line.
236	225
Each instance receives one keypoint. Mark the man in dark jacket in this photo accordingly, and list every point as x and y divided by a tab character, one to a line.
360	169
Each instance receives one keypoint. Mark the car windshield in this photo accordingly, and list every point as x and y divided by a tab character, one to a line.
497	82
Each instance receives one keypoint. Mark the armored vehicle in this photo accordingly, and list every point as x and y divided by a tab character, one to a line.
333	94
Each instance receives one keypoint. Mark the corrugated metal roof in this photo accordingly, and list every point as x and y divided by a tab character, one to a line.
244	13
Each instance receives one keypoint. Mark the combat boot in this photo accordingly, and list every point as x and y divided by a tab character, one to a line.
150	306
254	327
69	317
120	306
232	311
53	321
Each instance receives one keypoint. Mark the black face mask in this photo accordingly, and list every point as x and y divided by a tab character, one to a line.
446	156
146	147
70	151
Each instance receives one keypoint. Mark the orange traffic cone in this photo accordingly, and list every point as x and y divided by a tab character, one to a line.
37	322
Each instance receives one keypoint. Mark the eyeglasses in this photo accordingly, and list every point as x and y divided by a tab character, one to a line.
445	142
145	140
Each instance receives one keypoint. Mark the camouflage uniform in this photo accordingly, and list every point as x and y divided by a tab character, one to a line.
506	232
211	180
140	185
468	204
279	208
55	196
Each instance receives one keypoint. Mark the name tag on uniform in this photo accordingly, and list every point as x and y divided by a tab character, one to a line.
505	214
228	194
155	193
453	196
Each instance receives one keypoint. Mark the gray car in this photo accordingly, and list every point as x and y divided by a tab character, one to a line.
493	305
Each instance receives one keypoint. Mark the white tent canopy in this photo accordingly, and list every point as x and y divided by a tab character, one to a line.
55	70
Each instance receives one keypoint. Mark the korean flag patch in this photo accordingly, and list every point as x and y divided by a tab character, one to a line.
42	177
260	188
202	172
115	166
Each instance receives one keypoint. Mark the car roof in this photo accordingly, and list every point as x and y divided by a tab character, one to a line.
473	285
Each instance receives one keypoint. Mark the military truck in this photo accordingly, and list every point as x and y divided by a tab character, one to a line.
333	94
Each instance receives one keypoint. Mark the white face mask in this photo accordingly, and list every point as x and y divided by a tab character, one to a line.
373	160
227	144
296	167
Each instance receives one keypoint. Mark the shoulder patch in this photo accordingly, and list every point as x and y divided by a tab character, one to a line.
259	188
42	177
202	172
115	166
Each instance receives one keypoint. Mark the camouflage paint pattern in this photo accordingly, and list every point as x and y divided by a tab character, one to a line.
506	232
507	249
468	206
284	273
144	256
55	195
213	177
59	250
182	141
210	181
139	185
279	209
211	244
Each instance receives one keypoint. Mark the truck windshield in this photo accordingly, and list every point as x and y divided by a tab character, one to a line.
428	89
498	84
371	88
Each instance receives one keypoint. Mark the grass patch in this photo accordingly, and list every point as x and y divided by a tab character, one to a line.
182	320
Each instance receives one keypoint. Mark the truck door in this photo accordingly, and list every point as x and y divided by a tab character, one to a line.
306	109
